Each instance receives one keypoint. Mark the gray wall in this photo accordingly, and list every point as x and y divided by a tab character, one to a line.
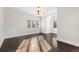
1	25
68	25
16	23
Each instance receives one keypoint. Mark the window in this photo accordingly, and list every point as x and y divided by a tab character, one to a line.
54	24
32	23
28	23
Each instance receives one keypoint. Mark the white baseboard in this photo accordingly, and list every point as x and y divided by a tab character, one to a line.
16	35
69	42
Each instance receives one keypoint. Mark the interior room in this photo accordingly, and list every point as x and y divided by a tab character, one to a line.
39	29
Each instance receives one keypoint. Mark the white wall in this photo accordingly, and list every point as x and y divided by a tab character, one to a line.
68	25
16	23
47	22
43	24
1	25
54	17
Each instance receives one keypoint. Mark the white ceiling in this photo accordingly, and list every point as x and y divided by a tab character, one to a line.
30	10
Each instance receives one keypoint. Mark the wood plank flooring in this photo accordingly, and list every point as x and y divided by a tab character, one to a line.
44	44
23	47
32	45
36	43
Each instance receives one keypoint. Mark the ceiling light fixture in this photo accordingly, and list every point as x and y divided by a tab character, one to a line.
38	11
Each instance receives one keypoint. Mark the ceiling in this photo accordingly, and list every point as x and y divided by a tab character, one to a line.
30	10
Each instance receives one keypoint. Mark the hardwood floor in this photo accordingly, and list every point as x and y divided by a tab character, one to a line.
32	45
18	44
11	44
67	47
